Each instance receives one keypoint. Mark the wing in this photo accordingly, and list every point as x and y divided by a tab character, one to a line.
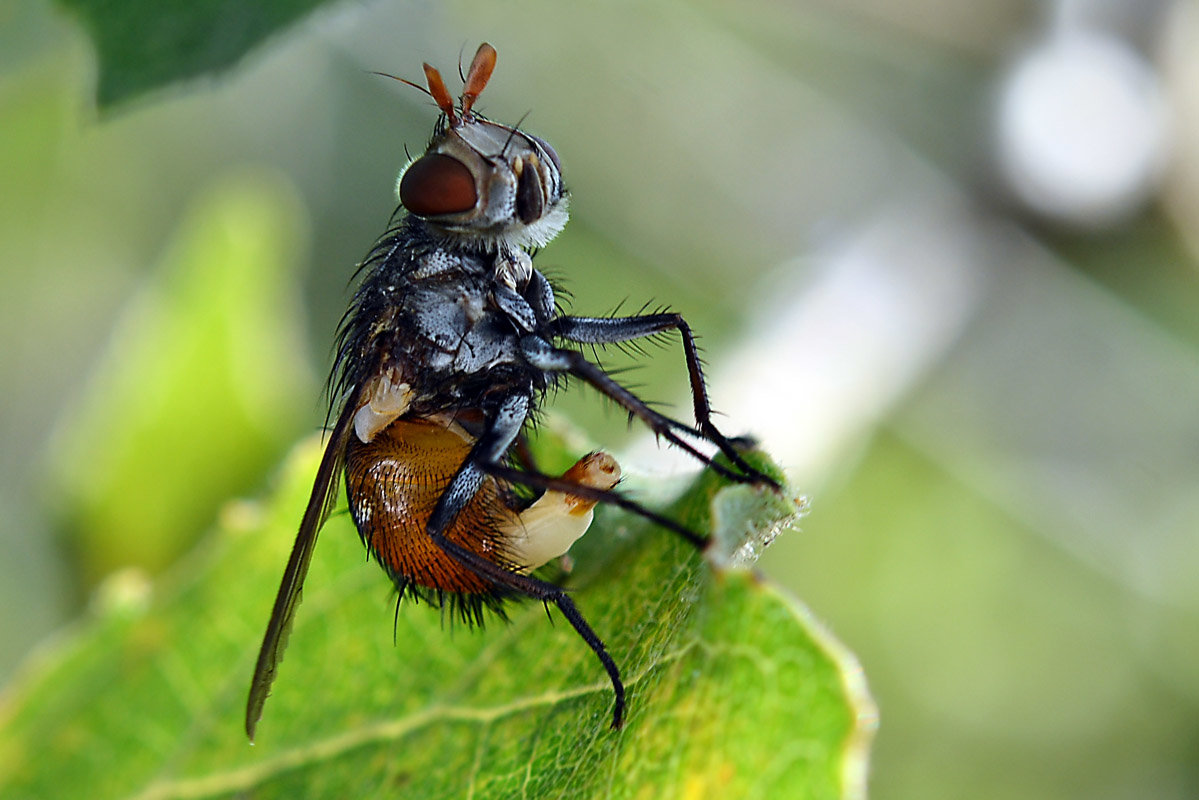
319	504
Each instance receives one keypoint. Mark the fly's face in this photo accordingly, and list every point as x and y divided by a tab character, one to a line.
484	180
480	180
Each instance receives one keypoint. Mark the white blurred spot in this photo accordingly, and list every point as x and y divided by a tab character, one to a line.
1082	128
834	357
875	310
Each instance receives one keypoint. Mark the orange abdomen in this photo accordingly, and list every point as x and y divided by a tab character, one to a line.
393	483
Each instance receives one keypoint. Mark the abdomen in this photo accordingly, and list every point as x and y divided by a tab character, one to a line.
393	483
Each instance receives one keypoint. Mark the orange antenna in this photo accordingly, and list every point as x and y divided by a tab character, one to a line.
440	94
480	72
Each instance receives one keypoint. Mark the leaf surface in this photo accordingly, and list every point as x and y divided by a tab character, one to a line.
733	690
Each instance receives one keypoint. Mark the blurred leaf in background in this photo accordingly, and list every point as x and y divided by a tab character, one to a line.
204	381
144	45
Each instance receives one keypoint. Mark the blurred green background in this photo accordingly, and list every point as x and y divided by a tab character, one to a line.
942	257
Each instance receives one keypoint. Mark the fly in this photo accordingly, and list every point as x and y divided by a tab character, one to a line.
449	345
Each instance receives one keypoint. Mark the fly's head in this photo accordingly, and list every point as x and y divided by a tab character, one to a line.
480	181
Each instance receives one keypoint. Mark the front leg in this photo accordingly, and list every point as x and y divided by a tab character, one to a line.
614	330
544	356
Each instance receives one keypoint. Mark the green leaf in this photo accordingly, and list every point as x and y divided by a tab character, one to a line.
733	690
146	44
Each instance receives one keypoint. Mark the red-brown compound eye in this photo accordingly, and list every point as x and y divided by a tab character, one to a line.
437	184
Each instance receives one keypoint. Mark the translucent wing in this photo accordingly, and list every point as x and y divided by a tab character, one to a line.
319	504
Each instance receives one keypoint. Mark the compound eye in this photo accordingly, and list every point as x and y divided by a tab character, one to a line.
548	150
551	152
437	184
